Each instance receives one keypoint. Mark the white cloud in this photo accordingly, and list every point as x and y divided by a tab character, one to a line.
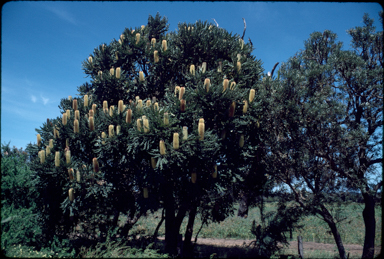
33	98
45	100
60	12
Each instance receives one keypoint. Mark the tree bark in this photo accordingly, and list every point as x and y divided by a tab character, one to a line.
189	231
336	235
370	226
170	228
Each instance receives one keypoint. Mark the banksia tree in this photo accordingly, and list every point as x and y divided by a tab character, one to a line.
181	77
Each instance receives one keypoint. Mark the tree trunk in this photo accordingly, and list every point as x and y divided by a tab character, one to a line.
370	226
243	206
336	235
170	226
189	231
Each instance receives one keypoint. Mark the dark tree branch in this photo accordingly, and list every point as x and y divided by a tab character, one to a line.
245	27
273	69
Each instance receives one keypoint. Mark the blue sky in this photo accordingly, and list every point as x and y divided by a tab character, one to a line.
44	43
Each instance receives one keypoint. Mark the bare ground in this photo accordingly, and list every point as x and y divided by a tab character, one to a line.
353	250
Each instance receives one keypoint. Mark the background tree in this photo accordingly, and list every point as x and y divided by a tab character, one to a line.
163	123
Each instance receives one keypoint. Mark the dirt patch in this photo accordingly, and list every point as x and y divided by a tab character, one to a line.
353	250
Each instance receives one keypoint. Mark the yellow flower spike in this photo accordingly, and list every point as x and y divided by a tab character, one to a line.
201	128
57	158
138	123
214	174
238	57
71	174
193	177
185	133
118	129
70	97
111	131
118	73
105	106
241	43
77	114
148	103
245	106
153	41
91	113
68	114
42	156
207	84
141	76
86	100
95	164
71	194
91	124
38	140
183	105
137	98
64	119
192	69
233	85
153	162
103	136
137	38
176	141
90	60
156	56
232	108
156	106
47	150
78	176
238	65
166	119
120	106
112	71
204	67
162	147
74	104
111	110
51	143
76	126
251	95
139	104
94	107
128	117
100	74
225	84
103	47
181	92
68	156
146	125
142	27
164	45
145	192
241	140
177	89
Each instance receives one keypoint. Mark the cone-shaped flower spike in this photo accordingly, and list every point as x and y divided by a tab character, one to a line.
118	72
118	129
74	104
78	176
162	147
214	174
38	140
245	106
71	174
86	100
153	41
153	162
128	117
57	158
177	89
241	140
166	118
141	76
51	143
95	164
71	194
220	67
105	106
91	113
176	141
238	65
156	106
225	84
185	133
201	128
112	71
207	84
181	92
137	38
103	136
42	156
100	74
148	103
94	106
164	45
251	95
146	125
68	114
204	67
68	156
111	131
192	70
77	115
138	122
47	150
76	126
233	85
231	112
120	106
156	56
111	109
90	60
183	105
91	124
